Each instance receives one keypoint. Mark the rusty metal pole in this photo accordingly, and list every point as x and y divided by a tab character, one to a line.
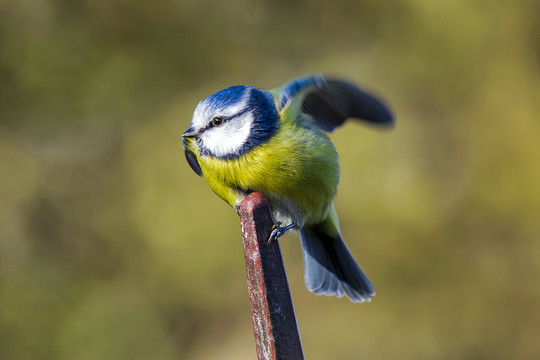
272	311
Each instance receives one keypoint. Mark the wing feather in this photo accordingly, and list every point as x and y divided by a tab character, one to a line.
338	100
331	101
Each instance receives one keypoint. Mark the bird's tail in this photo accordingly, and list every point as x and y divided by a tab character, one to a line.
329	267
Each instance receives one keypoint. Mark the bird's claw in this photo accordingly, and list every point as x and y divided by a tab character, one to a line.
278	231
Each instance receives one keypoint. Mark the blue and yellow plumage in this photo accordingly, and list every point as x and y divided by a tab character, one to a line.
243	140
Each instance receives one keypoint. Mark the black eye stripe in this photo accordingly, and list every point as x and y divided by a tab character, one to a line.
224	119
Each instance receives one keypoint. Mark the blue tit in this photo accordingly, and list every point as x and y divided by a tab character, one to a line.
245	140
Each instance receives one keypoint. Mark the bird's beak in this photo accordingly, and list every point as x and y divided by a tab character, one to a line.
190	133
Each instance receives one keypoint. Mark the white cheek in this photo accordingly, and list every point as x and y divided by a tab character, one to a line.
229	138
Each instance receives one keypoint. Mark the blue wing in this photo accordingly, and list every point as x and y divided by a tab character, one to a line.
299	86
332	101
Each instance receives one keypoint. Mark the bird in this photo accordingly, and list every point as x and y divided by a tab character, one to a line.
243	139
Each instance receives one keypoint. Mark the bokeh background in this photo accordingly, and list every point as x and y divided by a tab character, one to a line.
112	248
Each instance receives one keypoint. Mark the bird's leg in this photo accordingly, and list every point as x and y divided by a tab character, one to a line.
278	231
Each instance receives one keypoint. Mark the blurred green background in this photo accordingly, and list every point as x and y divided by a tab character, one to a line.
112	248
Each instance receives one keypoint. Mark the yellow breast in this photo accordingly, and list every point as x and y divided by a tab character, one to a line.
297	170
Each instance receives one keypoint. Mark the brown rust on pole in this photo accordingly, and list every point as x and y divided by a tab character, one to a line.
272	311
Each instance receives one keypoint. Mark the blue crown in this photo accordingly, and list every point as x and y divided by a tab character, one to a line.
226	98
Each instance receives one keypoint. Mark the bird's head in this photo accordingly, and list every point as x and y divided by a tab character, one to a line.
233	121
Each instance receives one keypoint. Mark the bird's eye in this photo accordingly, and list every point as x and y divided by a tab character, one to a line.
218	121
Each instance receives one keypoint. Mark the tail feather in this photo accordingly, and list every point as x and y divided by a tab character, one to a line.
330	269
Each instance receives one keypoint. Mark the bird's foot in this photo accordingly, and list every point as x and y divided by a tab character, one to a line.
278	231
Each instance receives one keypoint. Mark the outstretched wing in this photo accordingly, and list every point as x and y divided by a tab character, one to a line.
332	101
